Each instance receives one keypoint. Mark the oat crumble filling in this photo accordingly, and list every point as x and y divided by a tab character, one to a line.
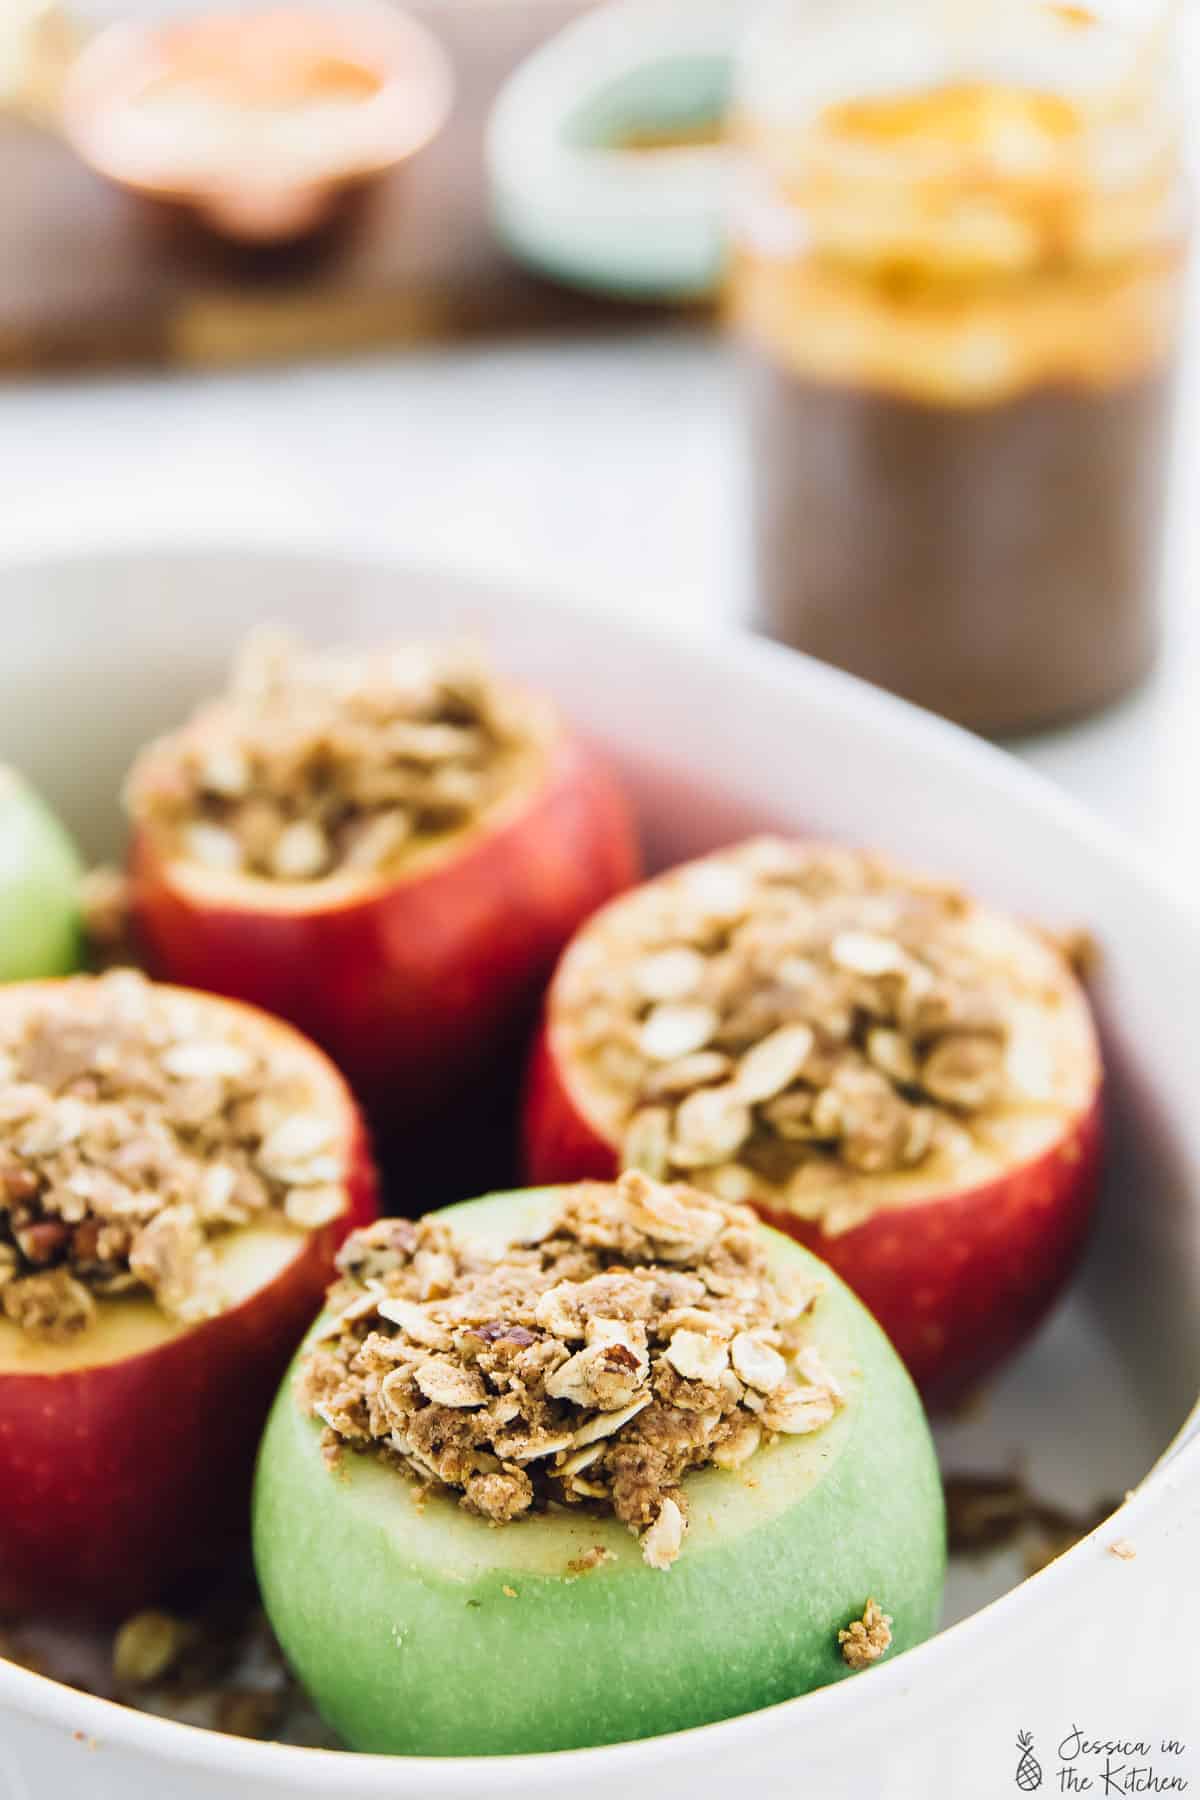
138	1124
641	1337
786	1020
318	763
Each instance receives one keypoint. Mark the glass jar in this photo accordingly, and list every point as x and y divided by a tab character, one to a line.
958	265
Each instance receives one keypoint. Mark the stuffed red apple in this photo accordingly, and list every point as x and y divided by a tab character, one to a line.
390	849
176	1173
580	1466
903	1079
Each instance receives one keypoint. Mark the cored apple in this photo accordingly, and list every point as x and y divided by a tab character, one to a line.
40	873
421	1629
126	1449
414	974
901	1078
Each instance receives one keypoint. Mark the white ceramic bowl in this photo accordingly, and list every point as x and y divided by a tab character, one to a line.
717	737
569	200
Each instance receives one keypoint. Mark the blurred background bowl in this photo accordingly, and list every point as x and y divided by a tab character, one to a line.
258	120
606	157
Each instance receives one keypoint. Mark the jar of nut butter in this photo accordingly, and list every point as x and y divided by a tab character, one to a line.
959	256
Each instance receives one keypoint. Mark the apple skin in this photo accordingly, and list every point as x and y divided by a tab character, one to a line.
425	1631
118	1479
40	870
411	984
958	1282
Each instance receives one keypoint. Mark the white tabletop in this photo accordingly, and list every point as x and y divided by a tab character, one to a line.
605	469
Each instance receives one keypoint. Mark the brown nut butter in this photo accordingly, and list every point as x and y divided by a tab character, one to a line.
958	298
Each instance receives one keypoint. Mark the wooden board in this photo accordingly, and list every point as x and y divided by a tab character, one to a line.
91	275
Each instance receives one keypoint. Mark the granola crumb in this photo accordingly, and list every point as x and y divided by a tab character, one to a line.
1122	1549
640	1337
588	1560
1081	950
14	1649
787	1024
250	1712
53	1307
138	1124
319	763
1001	1511
985	1512
867	1639
147	1647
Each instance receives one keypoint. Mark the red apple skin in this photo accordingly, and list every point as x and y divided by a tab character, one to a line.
958	1282
418	983
117	1480
558	1143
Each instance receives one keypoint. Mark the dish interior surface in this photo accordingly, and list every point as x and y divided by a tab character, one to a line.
102	654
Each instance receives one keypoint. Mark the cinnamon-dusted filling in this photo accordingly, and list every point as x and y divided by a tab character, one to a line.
641	1337
317	763
137	1125
812	1028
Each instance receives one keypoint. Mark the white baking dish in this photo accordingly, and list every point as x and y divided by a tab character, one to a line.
717	737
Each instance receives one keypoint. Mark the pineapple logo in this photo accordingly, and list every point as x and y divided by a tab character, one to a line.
1029	1770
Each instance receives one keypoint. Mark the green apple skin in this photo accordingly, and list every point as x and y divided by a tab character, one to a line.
420	1630
40	870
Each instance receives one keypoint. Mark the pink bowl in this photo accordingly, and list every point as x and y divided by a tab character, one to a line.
257	118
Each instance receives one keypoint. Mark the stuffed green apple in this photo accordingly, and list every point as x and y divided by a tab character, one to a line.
577	1466
40	872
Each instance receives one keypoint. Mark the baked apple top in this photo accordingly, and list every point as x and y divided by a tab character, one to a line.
142	1128
811	1028
641	1336
319	765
